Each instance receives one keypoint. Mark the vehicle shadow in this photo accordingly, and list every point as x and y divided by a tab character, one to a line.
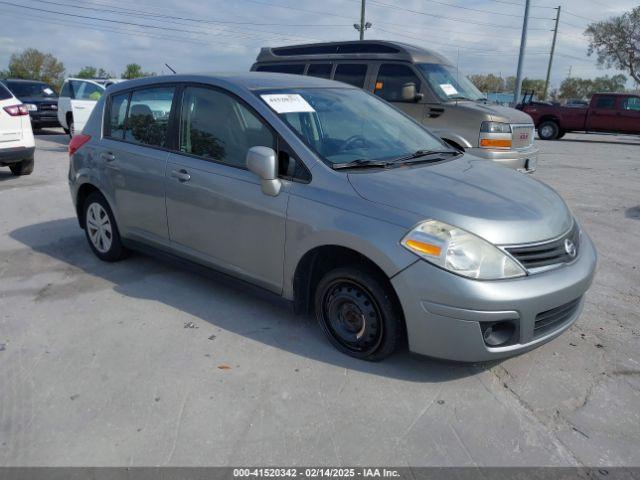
601	141
222	303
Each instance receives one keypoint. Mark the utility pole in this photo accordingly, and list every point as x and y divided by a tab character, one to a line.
362	26
553	48
523	46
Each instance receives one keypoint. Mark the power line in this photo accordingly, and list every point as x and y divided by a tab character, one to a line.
485	11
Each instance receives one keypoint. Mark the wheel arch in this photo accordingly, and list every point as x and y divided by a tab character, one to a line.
82	193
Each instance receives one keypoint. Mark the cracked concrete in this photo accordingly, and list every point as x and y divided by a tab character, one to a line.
97	367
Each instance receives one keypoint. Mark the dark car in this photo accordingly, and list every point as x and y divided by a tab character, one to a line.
40	98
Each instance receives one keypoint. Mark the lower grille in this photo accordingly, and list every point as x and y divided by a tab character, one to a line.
545	254
552	319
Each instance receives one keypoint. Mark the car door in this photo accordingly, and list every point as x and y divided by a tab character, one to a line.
86	95
629	115
603	114
391	79
216	211
133	157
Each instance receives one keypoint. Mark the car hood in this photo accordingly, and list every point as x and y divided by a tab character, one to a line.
500	205
499	113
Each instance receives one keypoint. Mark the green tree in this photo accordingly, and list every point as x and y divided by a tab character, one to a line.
535	84
488	83
617	83
33	64
616	42
133	70
575	87
93	72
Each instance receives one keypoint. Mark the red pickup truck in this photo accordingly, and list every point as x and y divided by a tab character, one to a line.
607	112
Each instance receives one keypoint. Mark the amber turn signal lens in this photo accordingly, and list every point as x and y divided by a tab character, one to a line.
426	248
491	142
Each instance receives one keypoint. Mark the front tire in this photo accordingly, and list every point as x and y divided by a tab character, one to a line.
357	312
101	229
25	167
548	130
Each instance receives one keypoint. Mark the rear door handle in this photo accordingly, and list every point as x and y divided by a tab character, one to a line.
181	175
107	156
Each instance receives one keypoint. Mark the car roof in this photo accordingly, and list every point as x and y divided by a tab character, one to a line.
246	80
23	80
351	50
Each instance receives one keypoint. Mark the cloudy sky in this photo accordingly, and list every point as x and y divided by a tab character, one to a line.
223	35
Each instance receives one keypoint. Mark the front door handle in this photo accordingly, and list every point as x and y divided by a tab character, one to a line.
107	156
181	175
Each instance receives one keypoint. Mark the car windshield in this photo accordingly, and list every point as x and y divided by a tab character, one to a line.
32	90
448	83
342	125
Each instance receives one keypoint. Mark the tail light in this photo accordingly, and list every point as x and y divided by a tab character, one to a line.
16	110
78	141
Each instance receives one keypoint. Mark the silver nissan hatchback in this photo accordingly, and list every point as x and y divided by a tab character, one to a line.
336	201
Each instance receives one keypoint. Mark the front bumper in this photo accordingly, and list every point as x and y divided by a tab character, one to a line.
15	155
39	120
523	159
444	311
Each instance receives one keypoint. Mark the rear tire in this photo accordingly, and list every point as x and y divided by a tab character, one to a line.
25	167
357	312
101	229
548	130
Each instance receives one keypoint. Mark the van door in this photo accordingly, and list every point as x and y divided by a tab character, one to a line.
86	95
216	211
390	81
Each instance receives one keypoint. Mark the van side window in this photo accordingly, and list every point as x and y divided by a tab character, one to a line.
87	91
631	103
214	125
295	69
351	73
392	77
607	103
66	90
117	115
320	70
148	118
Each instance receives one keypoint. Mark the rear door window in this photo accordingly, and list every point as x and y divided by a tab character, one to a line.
66	90
148	116
320	70
606	103
351	73
392	78
296	69
118	115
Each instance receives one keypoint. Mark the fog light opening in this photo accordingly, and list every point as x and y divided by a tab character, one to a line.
498	334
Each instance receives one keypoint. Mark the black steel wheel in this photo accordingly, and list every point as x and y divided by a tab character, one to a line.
357	313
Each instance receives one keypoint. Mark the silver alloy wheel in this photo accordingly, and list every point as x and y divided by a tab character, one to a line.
99	227
546	131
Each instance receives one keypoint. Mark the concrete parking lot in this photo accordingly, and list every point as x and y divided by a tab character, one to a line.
144	363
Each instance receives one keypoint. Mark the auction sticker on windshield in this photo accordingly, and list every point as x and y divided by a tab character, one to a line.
448	89
287	103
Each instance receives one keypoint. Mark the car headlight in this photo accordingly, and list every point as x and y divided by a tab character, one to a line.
31	107
495	127
460	252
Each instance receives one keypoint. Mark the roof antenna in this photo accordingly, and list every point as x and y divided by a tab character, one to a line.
169	67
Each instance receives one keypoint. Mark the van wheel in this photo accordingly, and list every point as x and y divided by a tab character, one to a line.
101	229
548	130
357	313
25	167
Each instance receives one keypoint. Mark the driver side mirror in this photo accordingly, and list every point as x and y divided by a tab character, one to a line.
410	93
263	162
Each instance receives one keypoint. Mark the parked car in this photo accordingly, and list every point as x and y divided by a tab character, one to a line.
40	99
423	84
606	112
77	98
326	195
17	145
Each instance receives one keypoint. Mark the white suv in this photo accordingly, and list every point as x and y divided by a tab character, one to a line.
77	99
17	145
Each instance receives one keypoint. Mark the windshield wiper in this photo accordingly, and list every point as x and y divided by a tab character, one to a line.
420	154
361	163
